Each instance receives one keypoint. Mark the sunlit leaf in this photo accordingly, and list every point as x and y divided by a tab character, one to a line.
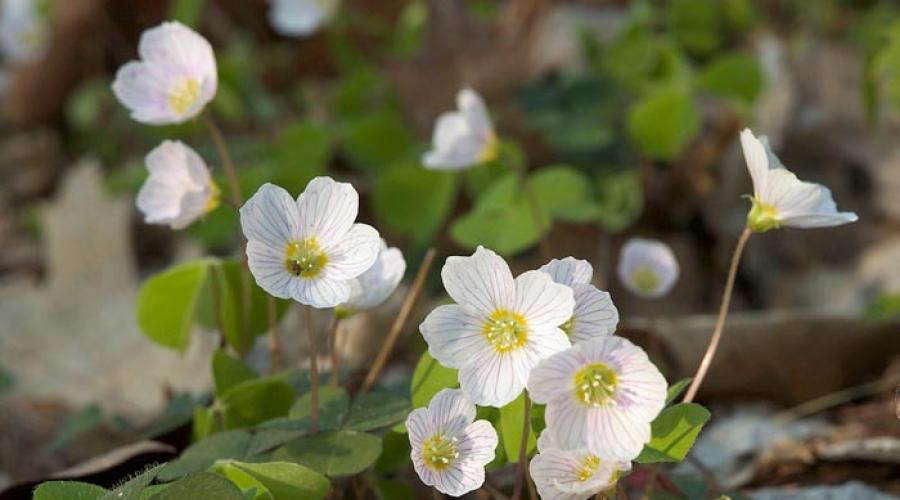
663	122
674	432
282	480
229	372
512	419
429	378
254	401
167	303
735	76
408	184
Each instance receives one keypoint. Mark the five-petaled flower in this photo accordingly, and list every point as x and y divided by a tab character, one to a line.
375	285
449	449
647	267
179	189
572	474
780	198
602	395
463	138
309	250
499	328
595	315
175	78
298	18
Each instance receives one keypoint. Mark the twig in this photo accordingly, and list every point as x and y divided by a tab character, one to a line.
720	321
400	321
523	451
274	342
313	370
837	398
333	331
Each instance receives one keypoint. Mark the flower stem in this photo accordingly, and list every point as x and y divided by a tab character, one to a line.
400	321
274	342
720	321
521	471
332	346
313	370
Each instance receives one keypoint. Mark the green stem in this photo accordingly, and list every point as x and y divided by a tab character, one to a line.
521	471
313	370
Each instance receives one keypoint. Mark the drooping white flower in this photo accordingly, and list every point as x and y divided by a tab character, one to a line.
601	394
463	138
175	78
309	250
24	32
595	314
179	189
572	474
378	283
648	267
450	448
780	198
299	18
499	327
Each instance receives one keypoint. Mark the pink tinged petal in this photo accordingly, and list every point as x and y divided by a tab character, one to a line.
270	216
353	254
595	314
451	411
420	426
459	479
182	52
481	282
614	435
553	378
328	210
541	345
267	265
559	471
144	93
321	292
569	271
570	422
803	204
478	443
453	335
654	254
544	304
757	160
491	379
375	285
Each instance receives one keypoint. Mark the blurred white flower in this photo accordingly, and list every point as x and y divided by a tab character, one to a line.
24	32
648	267
572	474
309	250
298	18
179	189
595	314
499	328
378	283
175	78
450	448
780	198
601	394
463	138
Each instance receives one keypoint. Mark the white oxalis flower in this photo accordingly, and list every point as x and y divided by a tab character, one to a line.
297	18
601	394
24	32
595	315
375	285
449	449
309	250
499	328
780	198
648	267
175	78
463	138
572	474
179	189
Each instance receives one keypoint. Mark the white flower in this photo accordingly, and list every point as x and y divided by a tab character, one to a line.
463	138
24	32
179	189
648	267
595	315
301	17
780	198
601	394
449	448
309	250
499	328
572	474
175	78
378	283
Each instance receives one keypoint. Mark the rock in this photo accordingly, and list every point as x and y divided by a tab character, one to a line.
854	490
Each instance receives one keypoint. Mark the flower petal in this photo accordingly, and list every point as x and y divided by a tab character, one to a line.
481	282
595	314
478	443
491	379
757	160
270	216
451	411
328	210
569	271
267	265
353	254
453	335
544	304
803	204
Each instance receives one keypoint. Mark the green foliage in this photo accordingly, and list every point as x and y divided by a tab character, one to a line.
885	307
179	411
632	57
394	454
275	480
335	454
429	378
735	76
229	372
75	425
254	401
620	198
301	152
564	193
885	67
186	11
6	381
376	410
512	418
201	486
372	141
202	454
663	122
408	184
676	389
168	303
333	405
695	24
673	433
134	488
70	490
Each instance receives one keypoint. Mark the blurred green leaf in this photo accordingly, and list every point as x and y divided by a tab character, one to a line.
736	76
229	372
695	24
333	405
429	378
632	56
7	381
673	433
202	454
201	486
676	389
206	421
301	153
186	11
407	185
387	489
178	411
621	200
395	453
375	410
373	141
740	15
254	401
282	480
76	424
69	490
363	88
335	454
409	32
663	122
885	307
564	193
512	418
167	303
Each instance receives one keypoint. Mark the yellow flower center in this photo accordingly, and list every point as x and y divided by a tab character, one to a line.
214	198
588	468
491	149
595	384
305	259
645	279
439	451
184	95
568	326
762	217
506	331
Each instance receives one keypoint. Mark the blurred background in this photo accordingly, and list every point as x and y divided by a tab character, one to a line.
633	108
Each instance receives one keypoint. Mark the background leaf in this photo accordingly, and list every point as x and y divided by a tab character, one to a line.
375	410
70	490
254	401
663	121
333	405
229	372
674	432
429	378
335	454
168	301
408	184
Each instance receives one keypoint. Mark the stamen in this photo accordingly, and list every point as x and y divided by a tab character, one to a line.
595	385
305	259
184	95
440	451
506	331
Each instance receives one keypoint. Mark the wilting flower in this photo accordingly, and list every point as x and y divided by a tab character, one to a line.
499	328
595	315
24	32
449	448
174	79
601	394
179	189
378	283
309	250
301	17
648	267
463	138
780	198
572	474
